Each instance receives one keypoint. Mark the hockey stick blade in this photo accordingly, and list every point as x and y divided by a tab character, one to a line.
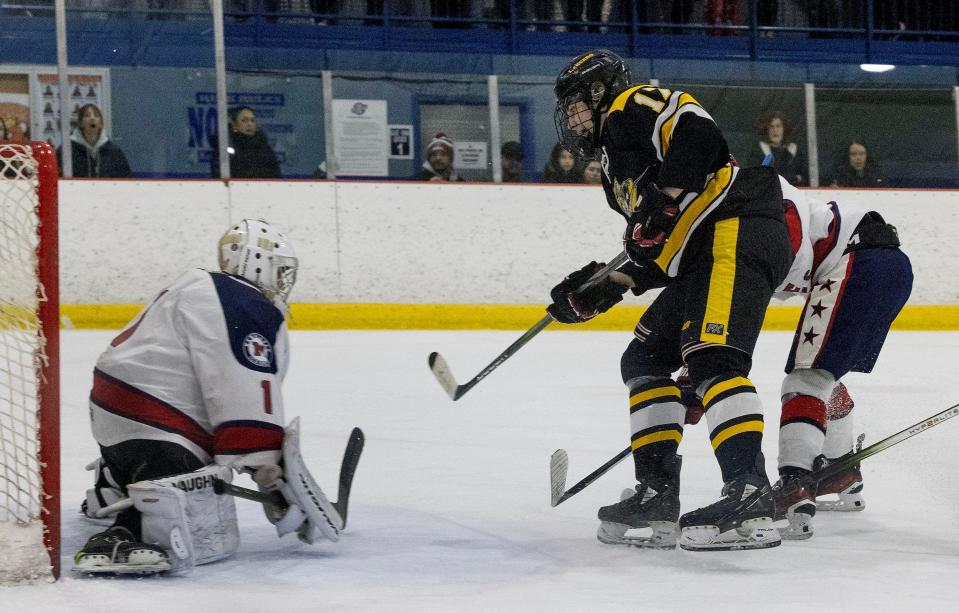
441	369
444	376
585	481
558	467
351	458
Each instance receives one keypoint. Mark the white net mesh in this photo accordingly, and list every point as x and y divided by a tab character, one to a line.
21	352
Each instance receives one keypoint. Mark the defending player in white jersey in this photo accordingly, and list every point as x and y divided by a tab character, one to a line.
189	392
855	279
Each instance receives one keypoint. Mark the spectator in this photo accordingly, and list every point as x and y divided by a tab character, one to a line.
593	173
439	161
562	167
722	13
93	154
859	170
511	160
251	156
776	149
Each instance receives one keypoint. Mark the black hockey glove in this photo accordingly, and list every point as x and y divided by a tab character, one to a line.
649	226
570	307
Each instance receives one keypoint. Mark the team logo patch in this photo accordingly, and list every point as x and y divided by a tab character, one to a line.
257	350
714	328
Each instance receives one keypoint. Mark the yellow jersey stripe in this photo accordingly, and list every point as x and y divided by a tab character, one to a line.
666	132
677	238
723	386
658	392
722	281
656	437
746	426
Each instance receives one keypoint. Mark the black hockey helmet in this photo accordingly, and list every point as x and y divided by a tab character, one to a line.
595	78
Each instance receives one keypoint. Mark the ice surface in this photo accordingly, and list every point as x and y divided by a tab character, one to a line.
450	507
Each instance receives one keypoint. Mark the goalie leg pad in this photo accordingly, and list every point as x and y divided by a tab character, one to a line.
186	517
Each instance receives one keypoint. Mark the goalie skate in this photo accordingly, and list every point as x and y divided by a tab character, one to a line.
644	518
115	551
741	519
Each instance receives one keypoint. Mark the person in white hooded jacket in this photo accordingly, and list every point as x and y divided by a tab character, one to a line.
94	155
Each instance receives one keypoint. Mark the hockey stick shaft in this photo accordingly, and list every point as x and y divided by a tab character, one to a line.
593	476
445	377
224	488
849	461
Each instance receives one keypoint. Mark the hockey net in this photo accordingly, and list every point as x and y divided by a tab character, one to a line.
29	364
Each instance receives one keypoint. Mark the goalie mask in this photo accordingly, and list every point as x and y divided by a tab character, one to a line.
584	91
256	251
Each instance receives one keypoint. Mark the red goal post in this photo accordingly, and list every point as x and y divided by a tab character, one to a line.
29	364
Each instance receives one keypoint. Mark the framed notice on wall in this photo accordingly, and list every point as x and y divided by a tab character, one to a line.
401	142
361	138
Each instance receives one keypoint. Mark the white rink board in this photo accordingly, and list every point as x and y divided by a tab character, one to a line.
410	243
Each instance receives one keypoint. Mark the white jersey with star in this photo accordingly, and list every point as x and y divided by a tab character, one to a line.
200	367
819	233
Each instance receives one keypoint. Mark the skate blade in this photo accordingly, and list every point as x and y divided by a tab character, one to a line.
847	503
795	527
660	535
759	533
121	569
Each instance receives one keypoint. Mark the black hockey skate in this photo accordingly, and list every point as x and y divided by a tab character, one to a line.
847	485
795	498
741	519
652	509
116	551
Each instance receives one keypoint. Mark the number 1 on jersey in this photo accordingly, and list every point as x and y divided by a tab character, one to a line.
267	397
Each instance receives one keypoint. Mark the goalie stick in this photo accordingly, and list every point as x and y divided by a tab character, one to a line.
444	375
559	461
351	458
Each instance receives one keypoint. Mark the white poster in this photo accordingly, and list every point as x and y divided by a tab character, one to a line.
360	138
470	155
87	87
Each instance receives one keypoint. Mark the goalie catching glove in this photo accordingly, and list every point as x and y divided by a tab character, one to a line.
571	307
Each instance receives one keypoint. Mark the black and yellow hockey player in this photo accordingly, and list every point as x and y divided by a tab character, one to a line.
714	237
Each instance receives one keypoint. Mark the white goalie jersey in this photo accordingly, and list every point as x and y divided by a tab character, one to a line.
819	233
200	367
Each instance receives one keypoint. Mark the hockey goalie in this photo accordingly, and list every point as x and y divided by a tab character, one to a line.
185	395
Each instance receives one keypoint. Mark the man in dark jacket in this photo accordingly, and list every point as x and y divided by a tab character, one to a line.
251	156
94	155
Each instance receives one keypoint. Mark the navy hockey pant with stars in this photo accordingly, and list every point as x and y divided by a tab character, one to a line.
849	311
